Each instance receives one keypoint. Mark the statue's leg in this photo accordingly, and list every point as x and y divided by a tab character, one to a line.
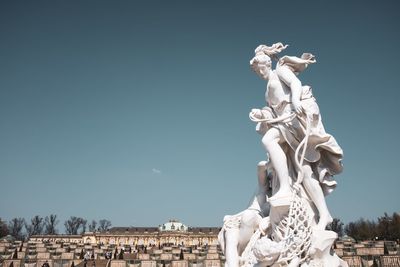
249	223
229	239
262	174
259	202
314	190
239	228
271	141
251	217
231	247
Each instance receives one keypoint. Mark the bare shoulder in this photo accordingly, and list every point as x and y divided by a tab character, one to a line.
283	70
285	74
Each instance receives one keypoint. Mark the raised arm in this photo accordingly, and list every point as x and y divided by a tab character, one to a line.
290	79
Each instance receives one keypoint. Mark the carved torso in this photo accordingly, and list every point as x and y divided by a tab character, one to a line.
277	94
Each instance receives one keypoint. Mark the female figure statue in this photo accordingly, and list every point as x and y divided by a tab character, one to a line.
290	107
285	224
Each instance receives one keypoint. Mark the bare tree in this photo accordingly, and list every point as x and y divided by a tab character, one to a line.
83	225
388	227
104	225
15	228
361	229
3	228
35	227
337	226
92	226
73	224
394	228
50	224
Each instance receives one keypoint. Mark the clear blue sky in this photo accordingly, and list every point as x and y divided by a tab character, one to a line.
137	111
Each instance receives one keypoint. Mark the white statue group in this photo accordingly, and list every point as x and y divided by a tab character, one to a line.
285	225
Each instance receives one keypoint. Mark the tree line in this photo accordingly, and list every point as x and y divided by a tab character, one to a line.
22	229
386	227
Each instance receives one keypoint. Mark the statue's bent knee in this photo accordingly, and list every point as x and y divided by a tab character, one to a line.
250	218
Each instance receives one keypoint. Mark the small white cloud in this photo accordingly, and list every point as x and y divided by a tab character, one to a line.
156	171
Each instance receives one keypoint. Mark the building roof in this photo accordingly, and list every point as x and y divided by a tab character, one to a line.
131	230
170	226
173	226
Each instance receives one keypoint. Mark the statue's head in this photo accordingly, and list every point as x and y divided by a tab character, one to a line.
261	64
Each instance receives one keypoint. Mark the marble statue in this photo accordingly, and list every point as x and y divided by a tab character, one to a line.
286	223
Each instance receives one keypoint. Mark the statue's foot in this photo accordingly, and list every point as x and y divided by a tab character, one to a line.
294	263
281	198
324	220
282	193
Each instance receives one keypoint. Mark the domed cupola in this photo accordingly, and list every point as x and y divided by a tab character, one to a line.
173	226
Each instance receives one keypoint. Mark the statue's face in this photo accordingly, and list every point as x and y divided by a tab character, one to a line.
263	67
263	71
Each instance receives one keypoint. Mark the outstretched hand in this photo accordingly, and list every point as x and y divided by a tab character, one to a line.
256	113
297	107
310	58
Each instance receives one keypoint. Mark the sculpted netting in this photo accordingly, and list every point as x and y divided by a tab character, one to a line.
285	225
